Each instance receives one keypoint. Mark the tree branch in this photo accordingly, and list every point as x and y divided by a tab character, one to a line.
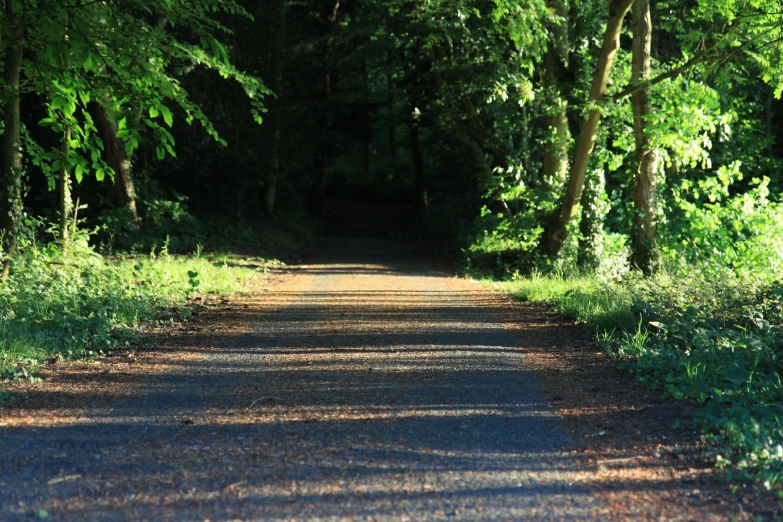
698	57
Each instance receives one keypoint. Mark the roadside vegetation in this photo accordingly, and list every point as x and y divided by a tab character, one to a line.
86	304
705	327
102	226
713	341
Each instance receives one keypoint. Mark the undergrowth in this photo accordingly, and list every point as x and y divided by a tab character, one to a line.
717	341
170	223
83	305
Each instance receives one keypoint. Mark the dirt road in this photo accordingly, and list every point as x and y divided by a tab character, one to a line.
365	386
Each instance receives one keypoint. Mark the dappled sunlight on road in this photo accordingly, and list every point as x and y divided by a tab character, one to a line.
353	391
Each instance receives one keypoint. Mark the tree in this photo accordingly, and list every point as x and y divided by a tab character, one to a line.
278	50
555	164
331	27
11	183
114	58
555	232
644	230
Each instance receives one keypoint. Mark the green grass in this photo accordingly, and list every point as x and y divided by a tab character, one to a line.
717	341
92	305
584	298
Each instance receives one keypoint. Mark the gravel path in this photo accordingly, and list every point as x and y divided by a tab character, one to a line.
369	386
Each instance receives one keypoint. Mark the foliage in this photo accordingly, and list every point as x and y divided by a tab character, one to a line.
170	223
88	304
719	230
119	55
449	108
715	341
719	344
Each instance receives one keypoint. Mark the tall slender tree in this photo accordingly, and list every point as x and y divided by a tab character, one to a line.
556	230
325	116
11	182
555	65
643	235
278	60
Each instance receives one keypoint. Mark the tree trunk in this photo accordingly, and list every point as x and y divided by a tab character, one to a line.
11	183
367	152
555	231
270	187
591	226
392	137
643	235
556	147
555	63
417	159
66	204
327	91
114	154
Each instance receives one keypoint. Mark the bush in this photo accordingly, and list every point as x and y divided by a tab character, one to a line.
720	231
716	341
87	304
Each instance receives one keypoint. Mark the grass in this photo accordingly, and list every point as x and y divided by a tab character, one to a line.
717	341
85	304
92	305
584	298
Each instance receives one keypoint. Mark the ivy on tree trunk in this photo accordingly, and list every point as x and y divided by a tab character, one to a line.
644	231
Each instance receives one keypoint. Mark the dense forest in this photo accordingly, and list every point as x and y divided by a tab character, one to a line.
620	159
537	131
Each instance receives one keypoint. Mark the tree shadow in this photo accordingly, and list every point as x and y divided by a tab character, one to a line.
347	404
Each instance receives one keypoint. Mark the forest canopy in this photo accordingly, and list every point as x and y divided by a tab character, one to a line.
601	135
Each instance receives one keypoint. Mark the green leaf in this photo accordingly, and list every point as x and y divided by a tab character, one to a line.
100	174
167	117
88	63
154	112
58	102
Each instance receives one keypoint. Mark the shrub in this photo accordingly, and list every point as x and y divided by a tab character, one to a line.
88	304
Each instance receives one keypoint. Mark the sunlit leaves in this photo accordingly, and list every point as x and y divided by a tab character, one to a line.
167	117
157	110
525	23
118	54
